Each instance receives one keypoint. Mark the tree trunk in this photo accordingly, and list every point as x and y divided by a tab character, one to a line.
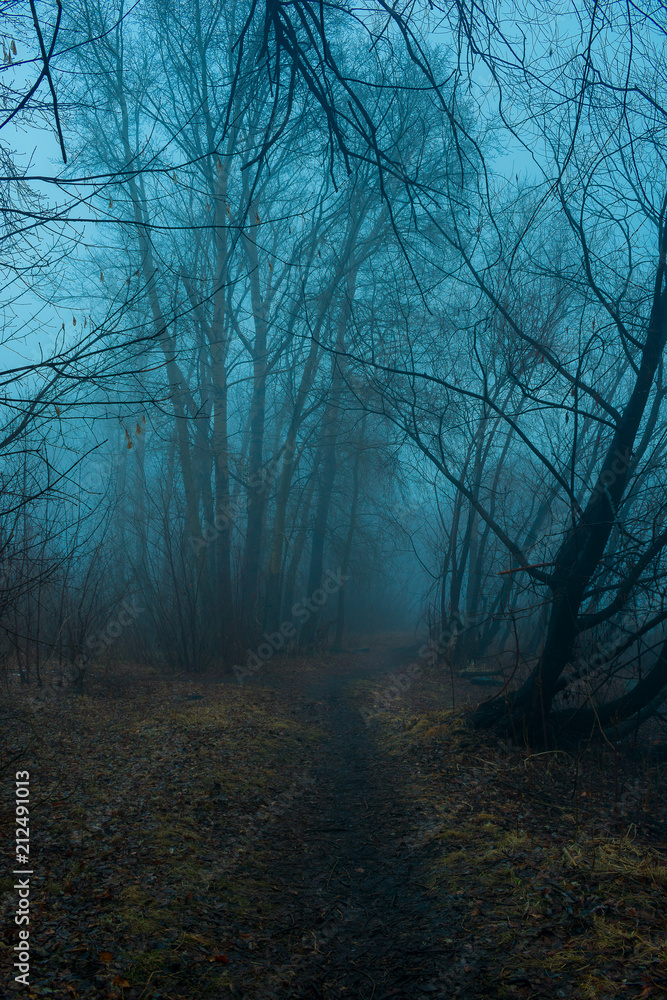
584	545
329	466
300	541
273	583
256	491
347	551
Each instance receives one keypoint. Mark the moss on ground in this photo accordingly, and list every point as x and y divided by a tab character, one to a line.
553	895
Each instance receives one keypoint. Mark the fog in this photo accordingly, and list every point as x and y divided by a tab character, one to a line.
333	519
375	305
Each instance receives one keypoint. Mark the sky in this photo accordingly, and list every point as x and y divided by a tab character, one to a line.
30	324
35	307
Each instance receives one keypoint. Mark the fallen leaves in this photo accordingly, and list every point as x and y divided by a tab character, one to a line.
551	891
157	814
145	815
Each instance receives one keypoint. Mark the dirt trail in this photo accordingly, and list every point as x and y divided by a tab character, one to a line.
361	922
198	839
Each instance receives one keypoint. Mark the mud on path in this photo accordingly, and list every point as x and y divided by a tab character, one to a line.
348	856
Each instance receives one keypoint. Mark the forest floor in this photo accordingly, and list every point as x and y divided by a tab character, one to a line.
281	839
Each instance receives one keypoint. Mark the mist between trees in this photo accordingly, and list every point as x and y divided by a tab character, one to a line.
381	291
285	636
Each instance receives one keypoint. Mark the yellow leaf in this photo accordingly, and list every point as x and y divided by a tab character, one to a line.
73	320
138	428
106	956
129	445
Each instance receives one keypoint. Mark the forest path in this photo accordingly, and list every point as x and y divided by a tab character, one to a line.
349	858
195	838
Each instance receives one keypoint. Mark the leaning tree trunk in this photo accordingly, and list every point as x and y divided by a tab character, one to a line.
613	713
525	713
